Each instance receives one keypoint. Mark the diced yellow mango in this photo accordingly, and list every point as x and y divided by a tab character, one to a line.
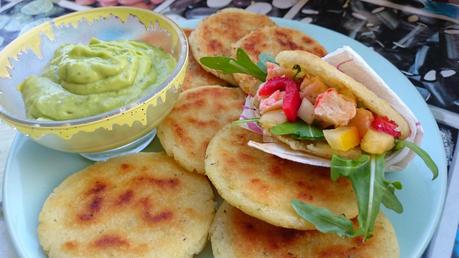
273	118
376	142
342	138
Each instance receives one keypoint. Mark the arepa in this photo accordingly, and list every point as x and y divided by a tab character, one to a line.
196	117
195	75
141	205
215	34
272	40
237	235
263	185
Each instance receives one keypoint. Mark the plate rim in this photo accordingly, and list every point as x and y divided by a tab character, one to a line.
9	227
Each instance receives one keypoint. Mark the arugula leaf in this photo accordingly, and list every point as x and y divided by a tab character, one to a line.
263	58
370	198
400	144
396	184
244	121
390	200
299	130
323	219
345	167
243	58
242	64
370	187
221	63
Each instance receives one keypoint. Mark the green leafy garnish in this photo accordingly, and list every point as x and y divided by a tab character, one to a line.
298	130
389	200
367	181
245	121
263	58
400	144
371	190
242	64
323	219
345	167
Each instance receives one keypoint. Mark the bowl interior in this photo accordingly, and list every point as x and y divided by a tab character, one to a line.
76	28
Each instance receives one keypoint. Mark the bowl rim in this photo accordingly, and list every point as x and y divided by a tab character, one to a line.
113	10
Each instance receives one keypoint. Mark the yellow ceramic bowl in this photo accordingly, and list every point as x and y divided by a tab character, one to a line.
31	52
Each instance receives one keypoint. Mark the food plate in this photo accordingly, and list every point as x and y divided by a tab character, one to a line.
32	171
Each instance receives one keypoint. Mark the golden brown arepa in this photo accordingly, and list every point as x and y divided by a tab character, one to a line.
214	35
263	185
141	205
196	76
196	117
237	235
272	40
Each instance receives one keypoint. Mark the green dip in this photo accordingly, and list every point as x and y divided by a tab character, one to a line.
85	80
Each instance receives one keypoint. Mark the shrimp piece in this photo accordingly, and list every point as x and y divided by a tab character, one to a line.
333	108
310	88
273	102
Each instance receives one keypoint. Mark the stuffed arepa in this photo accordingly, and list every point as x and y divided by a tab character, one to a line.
334	106
330	75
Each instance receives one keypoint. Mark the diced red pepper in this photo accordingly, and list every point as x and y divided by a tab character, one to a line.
276	83
292	101
383	124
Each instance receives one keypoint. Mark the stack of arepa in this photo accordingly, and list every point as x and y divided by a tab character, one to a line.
162	205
